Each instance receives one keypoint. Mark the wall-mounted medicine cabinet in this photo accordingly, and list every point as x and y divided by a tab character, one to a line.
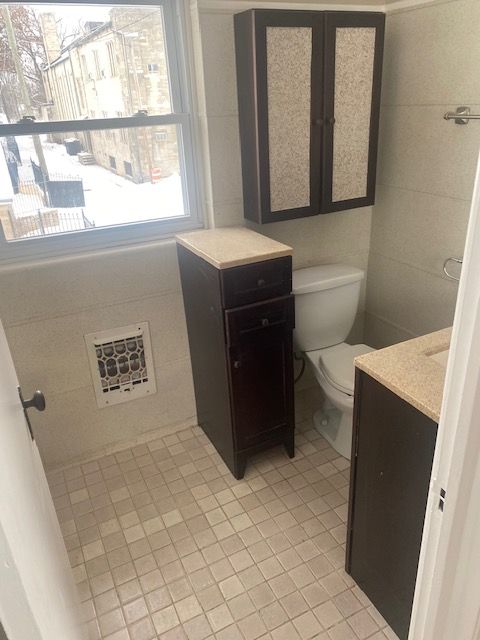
309	100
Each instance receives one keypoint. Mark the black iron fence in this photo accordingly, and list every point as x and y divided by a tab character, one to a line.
45	206
46	222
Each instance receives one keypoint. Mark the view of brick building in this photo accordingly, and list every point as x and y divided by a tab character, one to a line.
114	69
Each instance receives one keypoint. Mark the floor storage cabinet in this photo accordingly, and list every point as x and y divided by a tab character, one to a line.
240	322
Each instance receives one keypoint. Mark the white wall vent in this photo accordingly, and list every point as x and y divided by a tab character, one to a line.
121	363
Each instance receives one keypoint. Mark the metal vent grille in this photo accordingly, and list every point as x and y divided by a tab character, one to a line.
121	364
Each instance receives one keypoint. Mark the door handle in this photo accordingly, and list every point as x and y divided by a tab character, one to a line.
37	401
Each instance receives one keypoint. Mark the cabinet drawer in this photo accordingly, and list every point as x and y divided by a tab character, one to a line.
258	281
256	318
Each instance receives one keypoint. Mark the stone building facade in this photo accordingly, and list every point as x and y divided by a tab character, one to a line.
115	69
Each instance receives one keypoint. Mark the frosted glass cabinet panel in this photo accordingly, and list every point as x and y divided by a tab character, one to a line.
354	56
289	87
353	67
309	99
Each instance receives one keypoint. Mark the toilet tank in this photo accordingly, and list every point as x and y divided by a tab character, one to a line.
326	303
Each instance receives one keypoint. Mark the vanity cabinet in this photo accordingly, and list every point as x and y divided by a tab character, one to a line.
309	101
393	447
240	323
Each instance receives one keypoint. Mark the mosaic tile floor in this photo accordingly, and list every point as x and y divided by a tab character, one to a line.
165	543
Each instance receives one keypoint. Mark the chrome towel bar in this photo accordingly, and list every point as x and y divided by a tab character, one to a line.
445	267
461	115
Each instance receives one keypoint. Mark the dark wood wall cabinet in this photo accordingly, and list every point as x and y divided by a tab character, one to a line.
309	101
393	446
240	322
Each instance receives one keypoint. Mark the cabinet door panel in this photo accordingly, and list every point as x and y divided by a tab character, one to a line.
279	77
289	86
352	100
394	445
354	57
261	370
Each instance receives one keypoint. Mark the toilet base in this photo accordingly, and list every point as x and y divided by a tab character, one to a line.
336	427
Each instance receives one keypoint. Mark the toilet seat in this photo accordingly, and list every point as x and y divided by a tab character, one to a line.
336	364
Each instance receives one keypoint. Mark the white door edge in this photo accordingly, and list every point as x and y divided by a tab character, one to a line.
13	601
447	596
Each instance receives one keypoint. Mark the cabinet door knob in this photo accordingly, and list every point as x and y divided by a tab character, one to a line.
237	364
317	121
331	120
261	282
265	322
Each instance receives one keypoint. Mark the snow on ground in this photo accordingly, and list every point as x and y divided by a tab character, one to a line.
109	199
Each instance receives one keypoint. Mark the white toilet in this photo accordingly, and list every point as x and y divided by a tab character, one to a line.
326	302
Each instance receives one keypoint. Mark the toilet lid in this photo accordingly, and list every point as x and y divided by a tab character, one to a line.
337	364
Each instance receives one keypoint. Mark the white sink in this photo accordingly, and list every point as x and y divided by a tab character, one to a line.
441	357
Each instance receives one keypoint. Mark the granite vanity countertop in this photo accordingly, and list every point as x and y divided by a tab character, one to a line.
408	370
232	246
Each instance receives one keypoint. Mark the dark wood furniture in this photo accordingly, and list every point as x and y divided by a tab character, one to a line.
393	446
240	322
309	101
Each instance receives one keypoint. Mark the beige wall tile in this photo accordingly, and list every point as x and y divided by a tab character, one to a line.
426	169
321	239
381	333
73	426
59	287
229	214
224	142
47	309
411	298
178	390
52	354
421	151
218	49
432	55
418	228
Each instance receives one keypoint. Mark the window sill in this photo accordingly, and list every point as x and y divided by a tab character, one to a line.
93	242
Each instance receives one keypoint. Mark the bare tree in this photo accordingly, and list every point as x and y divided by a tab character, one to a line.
31	52
67	33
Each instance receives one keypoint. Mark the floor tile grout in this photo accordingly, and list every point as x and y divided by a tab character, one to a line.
165	543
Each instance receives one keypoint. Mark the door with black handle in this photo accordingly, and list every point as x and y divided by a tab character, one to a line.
260	364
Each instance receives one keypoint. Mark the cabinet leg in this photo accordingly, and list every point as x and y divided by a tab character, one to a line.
239	466
290	446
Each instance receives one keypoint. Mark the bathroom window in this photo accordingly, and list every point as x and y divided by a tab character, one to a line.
74	174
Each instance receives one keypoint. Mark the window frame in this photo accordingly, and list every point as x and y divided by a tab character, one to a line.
181	95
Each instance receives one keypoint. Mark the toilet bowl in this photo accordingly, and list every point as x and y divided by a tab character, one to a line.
335	373
326	303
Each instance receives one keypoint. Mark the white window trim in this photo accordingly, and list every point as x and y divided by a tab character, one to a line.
180	52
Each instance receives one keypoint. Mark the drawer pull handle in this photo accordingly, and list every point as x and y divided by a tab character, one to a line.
261	282
265	322
237	364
